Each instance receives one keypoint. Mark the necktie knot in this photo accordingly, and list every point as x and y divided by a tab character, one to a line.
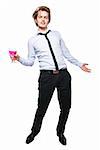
45	34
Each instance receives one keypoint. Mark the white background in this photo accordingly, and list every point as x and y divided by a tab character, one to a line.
78	23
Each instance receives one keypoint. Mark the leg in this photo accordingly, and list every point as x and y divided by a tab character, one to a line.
46	89
64	97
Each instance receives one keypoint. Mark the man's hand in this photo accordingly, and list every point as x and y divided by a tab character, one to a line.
84	68
16	57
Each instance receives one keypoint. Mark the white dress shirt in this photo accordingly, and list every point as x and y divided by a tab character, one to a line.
38	47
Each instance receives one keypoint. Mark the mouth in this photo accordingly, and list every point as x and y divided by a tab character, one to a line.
42	23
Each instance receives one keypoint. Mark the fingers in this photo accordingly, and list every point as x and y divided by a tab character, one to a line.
17	57
87	70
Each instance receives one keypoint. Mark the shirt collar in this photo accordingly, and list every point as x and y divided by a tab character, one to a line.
43	32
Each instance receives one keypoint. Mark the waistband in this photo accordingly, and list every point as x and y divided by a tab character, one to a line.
53	71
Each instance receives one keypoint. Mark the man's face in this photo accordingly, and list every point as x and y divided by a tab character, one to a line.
42	19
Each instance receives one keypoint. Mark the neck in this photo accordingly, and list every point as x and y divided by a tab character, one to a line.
42	29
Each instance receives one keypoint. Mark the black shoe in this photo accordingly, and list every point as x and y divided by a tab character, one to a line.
30	138
62	139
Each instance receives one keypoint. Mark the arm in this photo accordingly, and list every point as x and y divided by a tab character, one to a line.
71	59
31	56
68	55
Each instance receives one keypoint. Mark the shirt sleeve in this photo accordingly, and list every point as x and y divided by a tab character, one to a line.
31	55
67	54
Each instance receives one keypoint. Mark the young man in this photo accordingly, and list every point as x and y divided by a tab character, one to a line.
50	50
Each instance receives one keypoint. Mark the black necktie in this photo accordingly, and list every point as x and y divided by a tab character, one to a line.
55	62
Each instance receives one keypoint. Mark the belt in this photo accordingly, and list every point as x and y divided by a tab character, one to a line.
53	71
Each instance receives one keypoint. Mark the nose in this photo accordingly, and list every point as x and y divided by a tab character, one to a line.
43	18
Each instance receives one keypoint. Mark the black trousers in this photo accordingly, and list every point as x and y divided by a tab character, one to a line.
47	84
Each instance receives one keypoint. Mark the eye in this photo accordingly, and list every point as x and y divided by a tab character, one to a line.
40	16
46	17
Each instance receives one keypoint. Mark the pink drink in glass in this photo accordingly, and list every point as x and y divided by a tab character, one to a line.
12	53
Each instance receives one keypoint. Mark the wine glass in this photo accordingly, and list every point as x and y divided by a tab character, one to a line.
12	54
